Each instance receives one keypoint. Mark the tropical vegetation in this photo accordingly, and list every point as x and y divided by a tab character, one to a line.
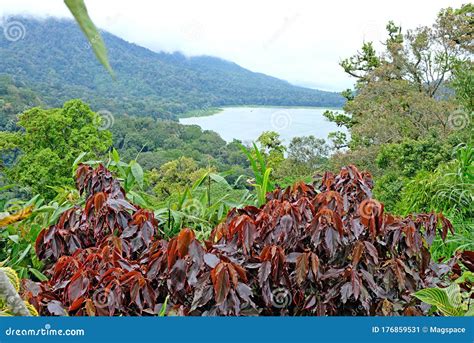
129	212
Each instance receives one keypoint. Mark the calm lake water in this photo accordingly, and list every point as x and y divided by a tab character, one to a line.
247	123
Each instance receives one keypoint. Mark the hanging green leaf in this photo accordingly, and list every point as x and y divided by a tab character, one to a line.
79	11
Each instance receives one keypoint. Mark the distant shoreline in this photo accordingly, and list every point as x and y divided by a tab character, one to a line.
214	110
207	112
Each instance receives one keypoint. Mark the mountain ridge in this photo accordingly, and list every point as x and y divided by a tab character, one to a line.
55	60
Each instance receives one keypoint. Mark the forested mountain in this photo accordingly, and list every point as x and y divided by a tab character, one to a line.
15	97
55	61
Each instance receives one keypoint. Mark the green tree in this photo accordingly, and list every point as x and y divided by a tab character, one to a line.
308	150
402	92
306	156
463	84
50	142
174	177
272	147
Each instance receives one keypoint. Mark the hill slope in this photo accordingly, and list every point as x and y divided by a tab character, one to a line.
55	61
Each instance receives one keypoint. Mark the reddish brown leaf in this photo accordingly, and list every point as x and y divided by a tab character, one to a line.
241	272
356	283
370	248
90	308
357	253
99	200
172	252
302	266
76	304
185	237
221	281
314	265
233	274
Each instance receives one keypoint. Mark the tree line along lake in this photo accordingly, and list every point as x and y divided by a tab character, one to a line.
247	123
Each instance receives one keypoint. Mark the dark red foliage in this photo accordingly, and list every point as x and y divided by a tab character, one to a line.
107	214
307	251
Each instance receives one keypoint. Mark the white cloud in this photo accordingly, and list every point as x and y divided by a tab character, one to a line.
301	41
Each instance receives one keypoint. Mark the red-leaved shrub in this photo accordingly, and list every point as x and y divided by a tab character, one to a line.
307	251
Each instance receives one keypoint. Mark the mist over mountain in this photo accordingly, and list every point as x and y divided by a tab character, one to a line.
55	61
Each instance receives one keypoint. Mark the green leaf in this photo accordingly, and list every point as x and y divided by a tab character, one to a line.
467	276
4	188
470	311
23	254
260	158
253	163
264	187
137	172
77	160
219	179
14	238
79	11
137	199
115	155
199	181
34	231
439	297
163	307
454	294
39	275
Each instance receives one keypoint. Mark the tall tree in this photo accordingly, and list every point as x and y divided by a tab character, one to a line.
50	142
406	91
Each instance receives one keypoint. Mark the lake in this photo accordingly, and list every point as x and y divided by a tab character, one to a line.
247	123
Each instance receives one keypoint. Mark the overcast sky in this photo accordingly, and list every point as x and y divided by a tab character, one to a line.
301	41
